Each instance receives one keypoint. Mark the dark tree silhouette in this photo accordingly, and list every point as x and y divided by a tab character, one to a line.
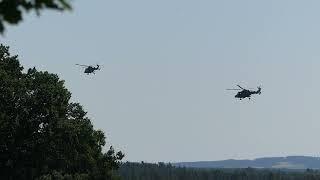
11	11
42	134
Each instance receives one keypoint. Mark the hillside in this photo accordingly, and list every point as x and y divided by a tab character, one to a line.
290	162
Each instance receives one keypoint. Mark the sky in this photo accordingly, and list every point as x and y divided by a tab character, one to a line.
161	94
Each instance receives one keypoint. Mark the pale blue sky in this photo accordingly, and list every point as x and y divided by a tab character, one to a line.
161	93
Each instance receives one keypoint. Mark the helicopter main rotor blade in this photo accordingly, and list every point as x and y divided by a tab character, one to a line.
234	89
240	87
82	65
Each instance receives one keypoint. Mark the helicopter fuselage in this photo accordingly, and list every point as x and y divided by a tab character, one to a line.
247	93
243	94
90	69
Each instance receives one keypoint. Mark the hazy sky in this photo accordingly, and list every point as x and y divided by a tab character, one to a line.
161	93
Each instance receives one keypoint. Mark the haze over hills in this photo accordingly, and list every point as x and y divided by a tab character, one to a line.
290	162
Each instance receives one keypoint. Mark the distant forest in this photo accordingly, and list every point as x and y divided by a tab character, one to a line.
162	171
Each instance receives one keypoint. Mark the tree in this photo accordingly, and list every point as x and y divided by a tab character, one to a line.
11	10
42	134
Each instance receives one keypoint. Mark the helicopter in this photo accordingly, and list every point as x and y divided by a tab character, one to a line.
90	69
245	93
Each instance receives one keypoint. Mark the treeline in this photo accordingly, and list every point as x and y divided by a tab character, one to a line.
162	171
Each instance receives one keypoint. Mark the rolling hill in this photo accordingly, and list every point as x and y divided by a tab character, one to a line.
290	162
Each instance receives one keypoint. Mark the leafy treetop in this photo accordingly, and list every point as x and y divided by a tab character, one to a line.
42	134
11	10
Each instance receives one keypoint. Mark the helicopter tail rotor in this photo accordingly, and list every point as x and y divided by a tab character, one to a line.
259	90
99	66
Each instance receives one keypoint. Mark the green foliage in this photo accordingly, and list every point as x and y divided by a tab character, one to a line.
161	171
44	136
55	175
11	10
